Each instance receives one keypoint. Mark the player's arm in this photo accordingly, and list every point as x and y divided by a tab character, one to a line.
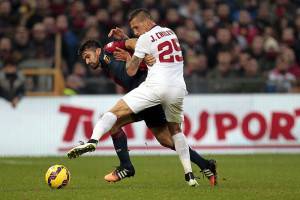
123	55
132	65
142	48
118	34
130	43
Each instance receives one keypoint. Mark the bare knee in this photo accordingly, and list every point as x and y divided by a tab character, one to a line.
121	109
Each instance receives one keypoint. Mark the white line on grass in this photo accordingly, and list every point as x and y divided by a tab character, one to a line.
16	162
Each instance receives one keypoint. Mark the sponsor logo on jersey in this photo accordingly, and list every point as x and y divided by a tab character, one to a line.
106	59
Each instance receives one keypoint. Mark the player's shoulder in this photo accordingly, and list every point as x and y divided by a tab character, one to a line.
151	31
160	28
107	58
145	35
167	29
111	46
144	38
104	60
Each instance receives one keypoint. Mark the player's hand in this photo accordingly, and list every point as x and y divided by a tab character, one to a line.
118	34
121	54
149	60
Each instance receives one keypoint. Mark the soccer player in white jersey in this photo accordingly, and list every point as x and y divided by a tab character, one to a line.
164	85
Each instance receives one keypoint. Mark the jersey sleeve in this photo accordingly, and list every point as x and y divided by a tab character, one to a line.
111	47
142	46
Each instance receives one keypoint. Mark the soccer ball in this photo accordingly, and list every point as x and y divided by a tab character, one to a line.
57	176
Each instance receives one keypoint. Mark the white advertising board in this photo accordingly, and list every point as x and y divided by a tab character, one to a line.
213	124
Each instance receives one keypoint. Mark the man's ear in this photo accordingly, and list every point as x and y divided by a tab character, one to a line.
98	51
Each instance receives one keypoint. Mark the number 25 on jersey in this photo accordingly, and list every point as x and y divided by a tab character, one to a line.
169	51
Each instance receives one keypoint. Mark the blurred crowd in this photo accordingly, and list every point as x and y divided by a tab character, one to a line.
229	45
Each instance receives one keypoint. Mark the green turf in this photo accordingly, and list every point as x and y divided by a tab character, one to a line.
158	177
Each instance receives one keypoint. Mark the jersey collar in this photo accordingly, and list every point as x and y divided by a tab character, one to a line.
153	27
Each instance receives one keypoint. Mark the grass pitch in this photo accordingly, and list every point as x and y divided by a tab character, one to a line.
257	177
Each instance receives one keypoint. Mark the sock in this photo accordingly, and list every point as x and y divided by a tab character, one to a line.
120	143
104	124
198	160
182	150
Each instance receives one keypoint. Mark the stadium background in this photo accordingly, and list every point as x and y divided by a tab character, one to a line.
241	68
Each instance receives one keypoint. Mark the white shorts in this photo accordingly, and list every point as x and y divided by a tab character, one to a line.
171	99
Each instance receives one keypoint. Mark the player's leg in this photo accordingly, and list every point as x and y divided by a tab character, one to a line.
125	169
135	101
159	128
103	125
120	143
207	167
173	107
182	149
155	120
163	136
144	97
119	138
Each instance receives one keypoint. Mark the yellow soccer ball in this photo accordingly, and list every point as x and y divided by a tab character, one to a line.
57	176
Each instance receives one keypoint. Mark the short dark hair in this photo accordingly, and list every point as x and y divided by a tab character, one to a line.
89	44
142	12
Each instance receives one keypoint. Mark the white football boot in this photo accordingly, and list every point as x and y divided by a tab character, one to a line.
82	149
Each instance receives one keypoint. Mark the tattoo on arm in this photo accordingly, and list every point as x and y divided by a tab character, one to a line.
132	65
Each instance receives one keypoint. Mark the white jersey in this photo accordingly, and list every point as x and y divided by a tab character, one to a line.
162	43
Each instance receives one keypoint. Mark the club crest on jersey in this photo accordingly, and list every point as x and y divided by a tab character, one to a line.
106	59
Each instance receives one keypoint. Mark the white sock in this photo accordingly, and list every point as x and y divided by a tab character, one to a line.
103	125
182	150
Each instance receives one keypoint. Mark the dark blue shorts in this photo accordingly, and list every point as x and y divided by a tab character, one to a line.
153	116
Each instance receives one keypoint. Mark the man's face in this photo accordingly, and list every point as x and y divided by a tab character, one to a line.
91	57
10	69
21	35
224	62
138	27
223	36
39	32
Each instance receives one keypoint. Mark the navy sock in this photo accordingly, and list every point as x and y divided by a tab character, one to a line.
120	143
198	160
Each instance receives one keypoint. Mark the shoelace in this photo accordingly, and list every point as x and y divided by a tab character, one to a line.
118	169
203	174
121	172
